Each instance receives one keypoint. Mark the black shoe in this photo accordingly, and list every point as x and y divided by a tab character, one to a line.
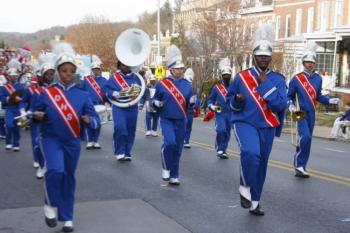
127	158
51	222
257	211
300	174
67	229
89	147
245	203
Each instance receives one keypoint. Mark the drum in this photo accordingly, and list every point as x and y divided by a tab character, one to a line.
102	112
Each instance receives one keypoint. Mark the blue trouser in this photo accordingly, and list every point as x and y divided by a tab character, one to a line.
305	129
189	123
2	127
35	130
173	131
93	134
223	131
152	119
125	120
255	146
61	160
12	130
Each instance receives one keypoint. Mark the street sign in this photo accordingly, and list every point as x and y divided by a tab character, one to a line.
160	72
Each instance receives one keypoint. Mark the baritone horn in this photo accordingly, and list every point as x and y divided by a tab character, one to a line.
132	48
218	108
296	116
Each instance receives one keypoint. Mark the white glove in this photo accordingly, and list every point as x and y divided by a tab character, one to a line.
292	108
212	107
334	101
158	103
140	107
193	99
115	94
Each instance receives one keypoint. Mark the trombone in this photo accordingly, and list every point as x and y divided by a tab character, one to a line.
296	116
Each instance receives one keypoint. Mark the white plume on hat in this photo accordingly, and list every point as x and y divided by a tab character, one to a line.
189	75
225	66
264	38
64	54
95	62
14	67
148	74
309	53
46	61
174	57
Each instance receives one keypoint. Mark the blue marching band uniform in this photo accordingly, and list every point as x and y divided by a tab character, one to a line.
152	115
125	119
95	87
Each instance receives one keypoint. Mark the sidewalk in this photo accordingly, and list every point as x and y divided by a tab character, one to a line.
320	132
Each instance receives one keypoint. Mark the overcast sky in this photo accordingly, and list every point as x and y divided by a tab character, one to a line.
34	15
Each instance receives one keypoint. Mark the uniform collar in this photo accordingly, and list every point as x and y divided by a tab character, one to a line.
257	72
309	75
64	87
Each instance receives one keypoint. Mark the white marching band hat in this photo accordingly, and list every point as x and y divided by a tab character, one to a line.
14	67
95	62
189	75
264	38
174	58
225	66
310	52
64	54
46	61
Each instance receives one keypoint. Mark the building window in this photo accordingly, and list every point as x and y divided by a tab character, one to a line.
278	26
287	32
324	15
298	22
325	57
310	19
338	13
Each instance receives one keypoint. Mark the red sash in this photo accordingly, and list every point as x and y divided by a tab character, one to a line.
64	108
31	89
308	88
10	88
178	96
95	86
121	81
251	84
38	90
222	90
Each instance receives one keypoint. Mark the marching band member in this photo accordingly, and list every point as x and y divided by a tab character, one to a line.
94	84
62	108
173	97
189	76
125	119
46	75
258	98
217	104
3	81
308	86
152	115
11	95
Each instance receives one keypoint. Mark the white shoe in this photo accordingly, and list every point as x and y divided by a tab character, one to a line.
8	147
120	157
174	181
89	145
35	164
15	148
68	226
50	216
301	169
148	133
187	145
245	192
40	173
165	174
97	145
154	134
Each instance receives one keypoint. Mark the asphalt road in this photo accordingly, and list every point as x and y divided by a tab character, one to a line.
207	200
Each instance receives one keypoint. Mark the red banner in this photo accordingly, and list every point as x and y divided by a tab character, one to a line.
31	88
95	86
64	108
121	81
222	90
308	88
251	84
38	90
179	98
9	88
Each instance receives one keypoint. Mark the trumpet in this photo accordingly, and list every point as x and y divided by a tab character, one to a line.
23	123
218	108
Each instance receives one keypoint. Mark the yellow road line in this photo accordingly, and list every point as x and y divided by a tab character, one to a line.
282	165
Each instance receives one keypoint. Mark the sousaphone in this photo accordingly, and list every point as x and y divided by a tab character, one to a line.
132	48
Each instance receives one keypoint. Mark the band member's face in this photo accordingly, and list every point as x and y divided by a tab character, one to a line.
178	72
48	77
124	68
262	61
309	66
13	78
67	73
153	82
96	72
226	78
